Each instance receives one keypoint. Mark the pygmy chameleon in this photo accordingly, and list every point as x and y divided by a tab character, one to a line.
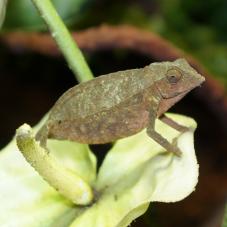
120	104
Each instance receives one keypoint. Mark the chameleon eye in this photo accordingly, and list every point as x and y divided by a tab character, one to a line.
174	75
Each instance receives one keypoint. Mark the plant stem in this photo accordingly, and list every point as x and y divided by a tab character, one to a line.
68	183
64	40
3	4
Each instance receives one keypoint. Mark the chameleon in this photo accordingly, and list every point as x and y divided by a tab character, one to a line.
121	104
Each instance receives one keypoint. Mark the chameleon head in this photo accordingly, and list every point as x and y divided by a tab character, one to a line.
178	79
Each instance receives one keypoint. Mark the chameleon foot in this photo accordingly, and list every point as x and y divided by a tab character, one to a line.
175	149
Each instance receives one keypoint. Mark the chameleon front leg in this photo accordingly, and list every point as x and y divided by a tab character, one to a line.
173	124
171	147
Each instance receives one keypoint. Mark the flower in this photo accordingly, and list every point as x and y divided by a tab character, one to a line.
135	172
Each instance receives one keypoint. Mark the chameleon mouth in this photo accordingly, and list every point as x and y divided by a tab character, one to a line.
167	103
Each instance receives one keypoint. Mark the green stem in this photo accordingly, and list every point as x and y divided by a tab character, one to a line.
64	40
3	4
68	183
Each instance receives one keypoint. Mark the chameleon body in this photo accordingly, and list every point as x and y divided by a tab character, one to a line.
120	104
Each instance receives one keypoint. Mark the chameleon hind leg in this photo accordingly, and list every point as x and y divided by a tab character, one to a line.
42	136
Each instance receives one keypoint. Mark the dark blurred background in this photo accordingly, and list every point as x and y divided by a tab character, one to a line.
31	82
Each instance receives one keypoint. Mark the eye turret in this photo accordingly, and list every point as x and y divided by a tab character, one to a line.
173	75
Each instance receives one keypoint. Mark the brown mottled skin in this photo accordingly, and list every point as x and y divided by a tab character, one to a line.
120	104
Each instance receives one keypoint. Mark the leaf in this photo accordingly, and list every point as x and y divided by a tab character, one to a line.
135	172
